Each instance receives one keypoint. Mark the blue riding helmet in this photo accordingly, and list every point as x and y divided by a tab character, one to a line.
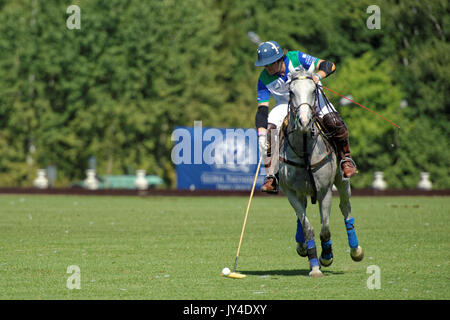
268	53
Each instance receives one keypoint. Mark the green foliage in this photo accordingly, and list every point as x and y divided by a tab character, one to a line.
116	88
369	83
421	146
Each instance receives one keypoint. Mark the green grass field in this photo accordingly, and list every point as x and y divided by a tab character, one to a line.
175	247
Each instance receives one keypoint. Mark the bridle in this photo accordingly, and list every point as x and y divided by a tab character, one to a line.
294	110
304	155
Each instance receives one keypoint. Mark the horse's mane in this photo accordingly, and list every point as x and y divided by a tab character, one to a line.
300	73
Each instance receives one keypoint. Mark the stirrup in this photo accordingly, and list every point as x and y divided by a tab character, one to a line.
342	171
274	184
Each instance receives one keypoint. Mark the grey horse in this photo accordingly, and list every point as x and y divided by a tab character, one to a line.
308	167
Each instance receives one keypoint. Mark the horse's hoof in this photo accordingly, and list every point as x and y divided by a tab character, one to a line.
325	262
315	273
357	253
301	249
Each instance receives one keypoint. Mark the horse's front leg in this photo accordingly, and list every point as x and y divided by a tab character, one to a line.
326	256
343	186
305	232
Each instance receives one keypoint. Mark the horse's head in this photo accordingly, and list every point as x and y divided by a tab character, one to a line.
302	98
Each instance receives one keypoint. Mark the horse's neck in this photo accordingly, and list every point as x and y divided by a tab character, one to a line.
316	147
320	149
295	144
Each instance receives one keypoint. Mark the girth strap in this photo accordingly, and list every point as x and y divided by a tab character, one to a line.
301	165
292	163
324	159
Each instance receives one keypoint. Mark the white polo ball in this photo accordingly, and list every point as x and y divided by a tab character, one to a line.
226	271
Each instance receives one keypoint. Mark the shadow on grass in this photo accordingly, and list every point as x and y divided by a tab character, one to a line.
294	272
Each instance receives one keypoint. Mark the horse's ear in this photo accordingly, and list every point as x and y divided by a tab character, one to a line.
296	73
309	74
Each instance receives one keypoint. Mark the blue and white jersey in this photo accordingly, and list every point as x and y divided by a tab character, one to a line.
277	85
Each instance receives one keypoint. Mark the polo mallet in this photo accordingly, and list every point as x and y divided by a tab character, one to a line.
234	274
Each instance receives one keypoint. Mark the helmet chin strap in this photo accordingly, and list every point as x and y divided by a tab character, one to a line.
280	66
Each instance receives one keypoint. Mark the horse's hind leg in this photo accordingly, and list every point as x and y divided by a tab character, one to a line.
299	205
326	256
343	186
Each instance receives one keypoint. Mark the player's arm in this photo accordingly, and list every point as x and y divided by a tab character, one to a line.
261	118
319	67
261	124
324	68
262	112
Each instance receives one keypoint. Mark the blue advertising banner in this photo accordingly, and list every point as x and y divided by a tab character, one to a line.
216	158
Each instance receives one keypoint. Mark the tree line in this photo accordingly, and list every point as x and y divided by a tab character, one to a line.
117	87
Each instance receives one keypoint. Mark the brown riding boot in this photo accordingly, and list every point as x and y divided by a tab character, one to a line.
337	131
347	163
270	162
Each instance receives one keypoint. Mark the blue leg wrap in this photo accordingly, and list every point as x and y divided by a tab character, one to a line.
314	262
352	239
312	253
326	250
311	244
299	234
